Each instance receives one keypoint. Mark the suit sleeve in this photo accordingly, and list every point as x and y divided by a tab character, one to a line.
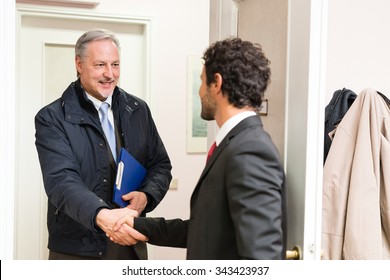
162	232
255	194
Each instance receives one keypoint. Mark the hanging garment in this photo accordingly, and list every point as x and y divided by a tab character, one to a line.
356	183
384	98
336	109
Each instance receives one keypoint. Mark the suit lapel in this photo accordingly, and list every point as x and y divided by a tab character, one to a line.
244	124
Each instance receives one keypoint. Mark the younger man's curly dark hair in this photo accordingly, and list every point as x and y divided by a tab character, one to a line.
244	69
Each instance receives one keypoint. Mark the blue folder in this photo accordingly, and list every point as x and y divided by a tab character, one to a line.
129	177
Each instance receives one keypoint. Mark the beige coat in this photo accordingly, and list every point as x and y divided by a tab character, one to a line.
356	183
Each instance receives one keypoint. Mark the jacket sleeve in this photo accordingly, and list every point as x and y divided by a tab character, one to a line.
161	232
255	187
61	174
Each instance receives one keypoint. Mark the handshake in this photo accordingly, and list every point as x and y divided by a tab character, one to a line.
118	225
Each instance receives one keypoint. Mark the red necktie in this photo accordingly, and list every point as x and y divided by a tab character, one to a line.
211	151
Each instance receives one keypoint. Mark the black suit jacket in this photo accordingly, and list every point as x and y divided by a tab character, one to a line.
238	205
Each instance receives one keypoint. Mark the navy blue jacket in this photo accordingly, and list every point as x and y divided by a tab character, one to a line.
77	172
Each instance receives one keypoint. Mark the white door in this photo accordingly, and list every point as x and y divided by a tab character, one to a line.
305	124
45	68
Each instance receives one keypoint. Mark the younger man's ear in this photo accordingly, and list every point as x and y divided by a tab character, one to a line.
218	81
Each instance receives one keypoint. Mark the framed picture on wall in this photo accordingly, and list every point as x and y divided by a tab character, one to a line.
196	126
264	108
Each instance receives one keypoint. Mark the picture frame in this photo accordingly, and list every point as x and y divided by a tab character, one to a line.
264	108
196	126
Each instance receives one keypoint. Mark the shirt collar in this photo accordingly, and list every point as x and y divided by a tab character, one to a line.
230	124
97	102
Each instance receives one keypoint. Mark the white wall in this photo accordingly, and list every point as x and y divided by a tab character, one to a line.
358	50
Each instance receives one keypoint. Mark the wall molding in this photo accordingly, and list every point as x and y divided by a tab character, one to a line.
86	4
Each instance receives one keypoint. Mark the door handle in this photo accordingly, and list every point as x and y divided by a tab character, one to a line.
294	254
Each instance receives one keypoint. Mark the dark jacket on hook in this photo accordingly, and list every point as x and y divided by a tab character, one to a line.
336	109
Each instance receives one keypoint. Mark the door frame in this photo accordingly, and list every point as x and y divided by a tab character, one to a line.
7	123
40	251
305	105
